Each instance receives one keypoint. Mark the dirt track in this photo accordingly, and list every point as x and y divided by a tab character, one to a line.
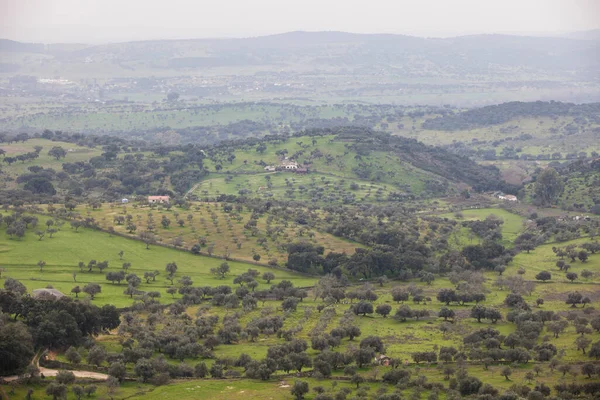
53	372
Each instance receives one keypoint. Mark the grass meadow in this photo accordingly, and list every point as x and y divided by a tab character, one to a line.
74	153
62	253
512	226
223	231
67	247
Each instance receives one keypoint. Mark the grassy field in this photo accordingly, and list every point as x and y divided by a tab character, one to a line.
279	388
547	135
74	153
288	186
543	258
326	154
223	231
512	226
106	118
67	248
401	338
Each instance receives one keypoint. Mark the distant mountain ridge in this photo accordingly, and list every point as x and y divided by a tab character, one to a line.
593	34
457	56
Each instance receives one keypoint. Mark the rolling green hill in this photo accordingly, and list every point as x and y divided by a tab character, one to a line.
68	247
344	165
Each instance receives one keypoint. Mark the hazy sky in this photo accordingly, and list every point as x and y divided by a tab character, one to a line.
121	20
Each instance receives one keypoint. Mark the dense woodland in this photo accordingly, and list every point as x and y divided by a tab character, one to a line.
498	114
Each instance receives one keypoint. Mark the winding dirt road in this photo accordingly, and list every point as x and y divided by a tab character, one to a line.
53	372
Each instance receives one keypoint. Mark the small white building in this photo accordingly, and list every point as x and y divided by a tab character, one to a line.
289	165
124	201
158	199
270	168
508	197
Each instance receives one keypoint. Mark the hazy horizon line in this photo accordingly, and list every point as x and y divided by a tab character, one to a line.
423	35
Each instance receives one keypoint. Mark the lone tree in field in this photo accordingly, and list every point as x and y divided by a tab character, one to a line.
574	298
506	372
582	343
446	313
76	290
172	290
56	390
399	294
102	265
543	276
171	269
116	276
92	289
357	379
588	369
41	264
268	276
363	307
586	274
299	389
57	152
73	356
221	270
571	276
148	238
383	309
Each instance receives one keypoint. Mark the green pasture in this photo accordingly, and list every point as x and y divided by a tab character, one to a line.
548	135
542	258
62	253
290	186
279	387
225	231
124	391
125	118
74	153
401	338
327	156
512	226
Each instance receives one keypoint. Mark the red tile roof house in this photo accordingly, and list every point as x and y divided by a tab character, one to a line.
158	199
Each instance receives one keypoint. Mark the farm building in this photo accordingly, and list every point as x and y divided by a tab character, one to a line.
124	201
508	197
289	165
158	199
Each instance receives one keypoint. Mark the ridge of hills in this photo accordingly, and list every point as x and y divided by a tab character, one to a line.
457	56
345	163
